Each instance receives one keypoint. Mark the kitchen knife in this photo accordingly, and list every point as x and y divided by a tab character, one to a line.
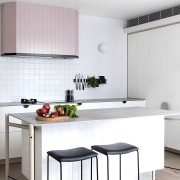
83	84
76	81
79	81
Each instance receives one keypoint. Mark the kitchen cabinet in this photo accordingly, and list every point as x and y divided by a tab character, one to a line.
15	144
114	103
172	133
97	105
123	104
39	30
153	61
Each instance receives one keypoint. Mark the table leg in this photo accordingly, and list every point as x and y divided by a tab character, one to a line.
31	153
153	175
31	147
7	147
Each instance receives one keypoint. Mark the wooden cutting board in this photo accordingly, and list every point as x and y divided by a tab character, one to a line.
41	118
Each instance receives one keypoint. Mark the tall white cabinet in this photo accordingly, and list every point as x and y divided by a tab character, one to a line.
154	68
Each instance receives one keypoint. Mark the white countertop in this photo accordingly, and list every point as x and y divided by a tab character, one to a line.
173	117
98	114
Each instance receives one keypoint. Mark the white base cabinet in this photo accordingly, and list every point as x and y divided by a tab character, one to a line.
112	104
15	150
172	133
123	104
90	106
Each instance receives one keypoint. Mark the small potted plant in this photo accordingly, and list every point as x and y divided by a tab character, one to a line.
92	82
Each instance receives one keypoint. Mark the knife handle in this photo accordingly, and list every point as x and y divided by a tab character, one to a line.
76	86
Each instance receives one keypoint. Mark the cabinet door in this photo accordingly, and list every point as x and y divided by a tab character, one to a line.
137	65
15	145
90	106
172	134
123	104
104	105
148	62
132	65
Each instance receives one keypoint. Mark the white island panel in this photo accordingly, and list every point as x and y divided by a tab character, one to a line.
145	132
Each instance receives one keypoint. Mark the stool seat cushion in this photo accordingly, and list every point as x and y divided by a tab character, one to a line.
113	149
70	155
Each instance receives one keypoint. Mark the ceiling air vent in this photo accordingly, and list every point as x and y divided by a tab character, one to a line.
154	16
176	10
143	19
133	22
166	13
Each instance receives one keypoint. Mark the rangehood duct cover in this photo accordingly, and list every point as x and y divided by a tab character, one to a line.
31	30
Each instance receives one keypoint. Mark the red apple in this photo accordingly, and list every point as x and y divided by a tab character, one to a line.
47	106
41	111
54	114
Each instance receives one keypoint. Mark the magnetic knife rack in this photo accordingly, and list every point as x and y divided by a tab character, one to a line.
100	80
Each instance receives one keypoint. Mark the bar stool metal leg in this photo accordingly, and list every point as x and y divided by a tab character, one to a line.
91	168
47	167
107	167
81	171
97	173
119	166
138	164
97	168
60	170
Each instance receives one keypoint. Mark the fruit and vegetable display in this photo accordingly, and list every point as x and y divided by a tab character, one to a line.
67	110
59	110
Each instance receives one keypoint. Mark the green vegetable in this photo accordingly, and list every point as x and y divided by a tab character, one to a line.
69	110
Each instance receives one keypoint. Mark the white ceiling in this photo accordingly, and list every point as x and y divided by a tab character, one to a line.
122	9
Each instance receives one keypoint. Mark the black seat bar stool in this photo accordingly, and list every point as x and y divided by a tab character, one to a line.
117	149
72	155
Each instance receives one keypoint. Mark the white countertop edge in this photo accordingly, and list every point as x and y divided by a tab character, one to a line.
98	114
173	117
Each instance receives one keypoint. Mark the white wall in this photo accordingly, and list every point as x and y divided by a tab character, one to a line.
47	79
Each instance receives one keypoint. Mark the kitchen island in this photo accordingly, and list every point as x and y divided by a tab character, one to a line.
142	127
18	107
